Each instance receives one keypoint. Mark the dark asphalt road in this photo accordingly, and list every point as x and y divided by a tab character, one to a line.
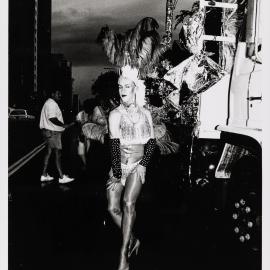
23	136
54	226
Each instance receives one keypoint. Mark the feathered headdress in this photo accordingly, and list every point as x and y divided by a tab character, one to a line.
140	47
135	52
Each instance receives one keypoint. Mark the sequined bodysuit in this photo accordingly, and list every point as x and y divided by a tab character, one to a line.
133	136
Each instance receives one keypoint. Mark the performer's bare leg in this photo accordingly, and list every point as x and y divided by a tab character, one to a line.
132	190
114	207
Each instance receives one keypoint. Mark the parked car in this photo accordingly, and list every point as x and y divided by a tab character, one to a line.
20	114
10	110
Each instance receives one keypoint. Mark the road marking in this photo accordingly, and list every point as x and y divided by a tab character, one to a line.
25	159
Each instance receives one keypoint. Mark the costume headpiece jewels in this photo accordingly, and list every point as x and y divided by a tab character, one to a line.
132	74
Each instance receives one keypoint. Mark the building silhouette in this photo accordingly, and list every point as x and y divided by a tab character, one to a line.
29	52
75	104
61	79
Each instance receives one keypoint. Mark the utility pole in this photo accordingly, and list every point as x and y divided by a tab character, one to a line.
36	47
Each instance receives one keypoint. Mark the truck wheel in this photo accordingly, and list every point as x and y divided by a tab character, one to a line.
245	203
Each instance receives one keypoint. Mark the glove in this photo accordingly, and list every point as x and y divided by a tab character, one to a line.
149	149
114	145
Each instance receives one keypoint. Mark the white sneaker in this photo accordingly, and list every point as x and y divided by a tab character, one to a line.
50	178
45	178
65	179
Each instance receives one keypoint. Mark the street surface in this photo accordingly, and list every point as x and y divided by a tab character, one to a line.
54	226
23	136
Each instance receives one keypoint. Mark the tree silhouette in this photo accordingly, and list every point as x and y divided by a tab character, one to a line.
106	86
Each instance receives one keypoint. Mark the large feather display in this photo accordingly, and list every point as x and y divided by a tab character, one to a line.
163	137
139	47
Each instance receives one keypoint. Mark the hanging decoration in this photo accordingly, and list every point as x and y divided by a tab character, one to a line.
170	6
192	31
199	72
231	23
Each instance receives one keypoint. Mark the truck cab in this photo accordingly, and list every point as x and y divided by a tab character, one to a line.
227	145
245	93
239	169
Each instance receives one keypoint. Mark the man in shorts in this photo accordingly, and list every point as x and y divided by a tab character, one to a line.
52	126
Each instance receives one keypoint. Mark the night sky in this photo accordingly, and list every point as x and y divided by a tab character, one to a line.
76	24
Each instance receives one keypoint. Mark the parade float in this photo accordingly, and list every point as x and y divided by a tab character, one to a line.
207	105
227	136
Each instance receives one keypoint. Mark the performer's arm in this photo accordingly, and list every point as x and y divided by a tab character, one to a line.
114	132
